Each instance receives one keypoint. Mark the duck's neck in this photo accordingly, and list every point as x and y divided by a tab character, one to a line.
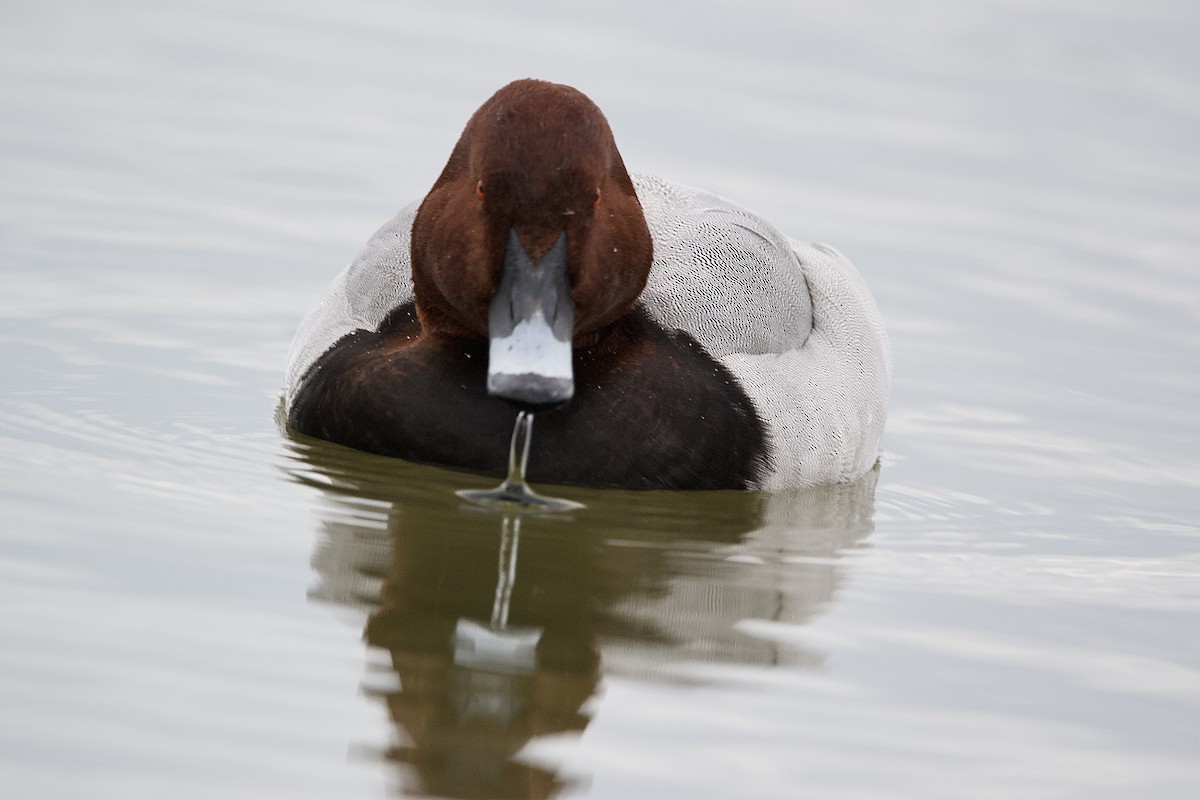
618	340
588	340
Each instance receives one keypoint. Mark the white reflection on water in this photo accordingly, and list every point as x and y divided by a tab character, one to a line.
1019	184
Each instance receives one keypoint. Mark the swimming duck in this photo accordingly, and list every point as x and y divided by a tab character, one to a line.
666	337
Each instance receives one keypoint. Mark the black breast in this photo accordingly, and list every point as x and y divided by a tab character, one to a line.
652	409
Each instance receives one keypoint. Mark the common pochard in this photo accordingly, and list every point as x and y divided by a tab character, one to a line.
667	338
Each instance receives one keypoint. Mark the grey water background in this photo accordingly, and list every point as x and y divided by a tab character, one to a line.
1009	609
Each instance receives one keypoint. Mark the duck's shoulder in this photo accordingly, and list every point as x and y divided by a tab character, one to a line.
793	322
374	284
722	272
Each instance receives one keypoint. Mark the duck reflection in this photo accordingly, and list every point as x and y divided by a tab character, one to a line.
495	627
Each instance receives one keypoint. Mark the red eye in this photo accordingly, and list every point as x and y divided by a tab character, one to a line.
598	197
479	191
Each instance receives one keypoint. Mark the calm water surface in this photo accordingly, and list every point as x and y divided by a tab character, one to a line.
199	606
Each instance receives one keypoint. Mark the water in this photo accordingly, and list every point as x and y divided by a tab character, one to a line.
197	605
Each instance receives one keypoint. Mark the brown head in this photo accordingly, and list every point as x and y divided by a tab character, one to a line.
533	212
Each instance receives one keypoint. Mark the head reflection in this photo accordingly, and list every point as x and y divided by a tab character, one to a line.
495	627
489	654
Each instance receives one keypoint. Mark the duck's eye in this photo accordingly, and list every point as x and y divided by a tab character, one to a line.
479	191
599	196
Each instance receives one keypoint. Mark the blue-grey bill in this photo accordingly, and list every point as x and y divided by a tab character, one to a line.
530	323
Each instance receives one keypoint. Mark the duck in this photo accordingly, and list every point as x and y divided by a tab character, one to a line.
663	336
